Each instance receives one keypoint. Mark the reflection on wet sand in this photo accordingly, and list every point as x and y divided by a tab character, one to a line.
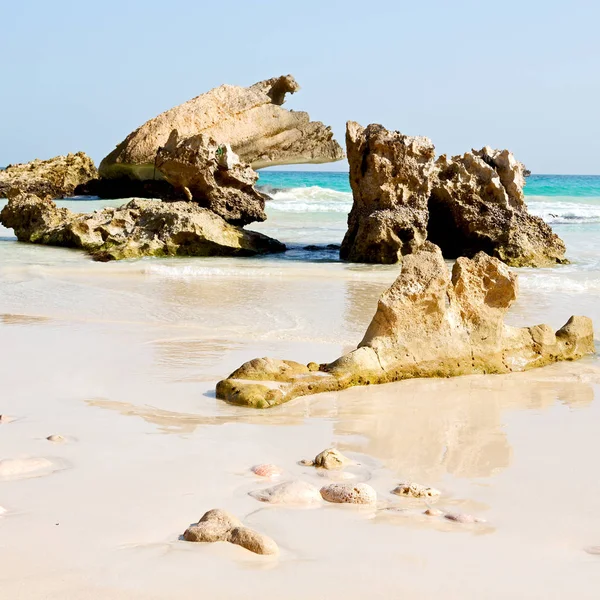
14	319
419	429
424	429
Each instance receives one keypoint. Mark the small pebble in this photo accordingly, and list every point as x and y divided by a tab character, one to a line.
56	438
267	470
433	512
6	419
463	518
349	493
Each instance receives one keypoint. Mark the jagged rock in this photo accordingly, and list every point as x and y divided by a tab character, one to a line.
139	228
477	204
211	175
349	493
464	204
219	526
328	459
250	119
427	324
390	177
57	177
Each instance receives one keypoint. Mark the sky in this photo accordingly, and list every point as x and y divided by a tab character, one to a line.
520	75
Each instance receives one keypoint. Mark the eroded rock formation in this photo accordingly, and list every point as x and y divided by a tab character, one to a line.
464	204
390	176
57	177
251	120
427	324
477	204
139	228
212	175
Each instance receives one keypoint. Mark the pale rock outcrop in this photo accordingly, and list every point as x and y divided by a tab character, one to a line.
56	177
219	526
139	228
251	120
390	177
477	204
427	324
464	204
212	175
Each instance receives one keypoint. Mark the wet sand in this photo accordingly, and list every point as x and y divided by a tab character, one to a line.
121	360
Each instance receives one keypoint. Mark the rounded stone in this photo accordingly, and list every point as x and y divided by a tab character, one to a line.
349	493
253	540
267	470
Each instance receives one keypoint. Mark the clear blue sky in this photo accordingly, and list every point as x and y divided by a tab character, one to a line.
523	75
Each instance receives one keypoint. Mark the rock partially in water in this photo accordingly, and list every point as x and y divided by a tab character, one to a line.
57	177
464	204
433	512
416	490
289	492
220	526
427	324
251	120
139	228
463	518
349	493
267	470
477	204
212	175
391	179
328	459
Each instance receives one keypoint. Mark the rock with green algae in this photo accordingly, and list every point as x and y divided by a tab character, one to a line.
427	324
56	177
139	228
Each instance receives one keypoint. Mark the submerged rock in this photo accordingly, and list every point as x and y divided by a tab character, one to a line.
390	177
267	470
212	175
427	324
328	459
464	204
288	492
349	493
139	228
251	120
57	177
219	526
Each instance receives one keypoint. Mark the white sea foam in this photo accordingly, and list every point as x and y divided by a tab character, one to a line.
559	210
564	210
310	199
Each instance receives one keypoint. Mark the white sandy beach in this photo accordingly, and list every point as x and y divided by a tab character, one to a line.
122	360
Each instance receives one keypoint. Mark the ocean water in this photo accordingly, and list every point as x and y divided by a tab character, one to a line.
307	210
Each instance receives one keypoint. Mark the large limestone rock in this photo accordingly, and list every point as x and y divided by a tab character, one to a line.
390	176
57	177
427	324
464	204
477	204
212	175
250	119
139	228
